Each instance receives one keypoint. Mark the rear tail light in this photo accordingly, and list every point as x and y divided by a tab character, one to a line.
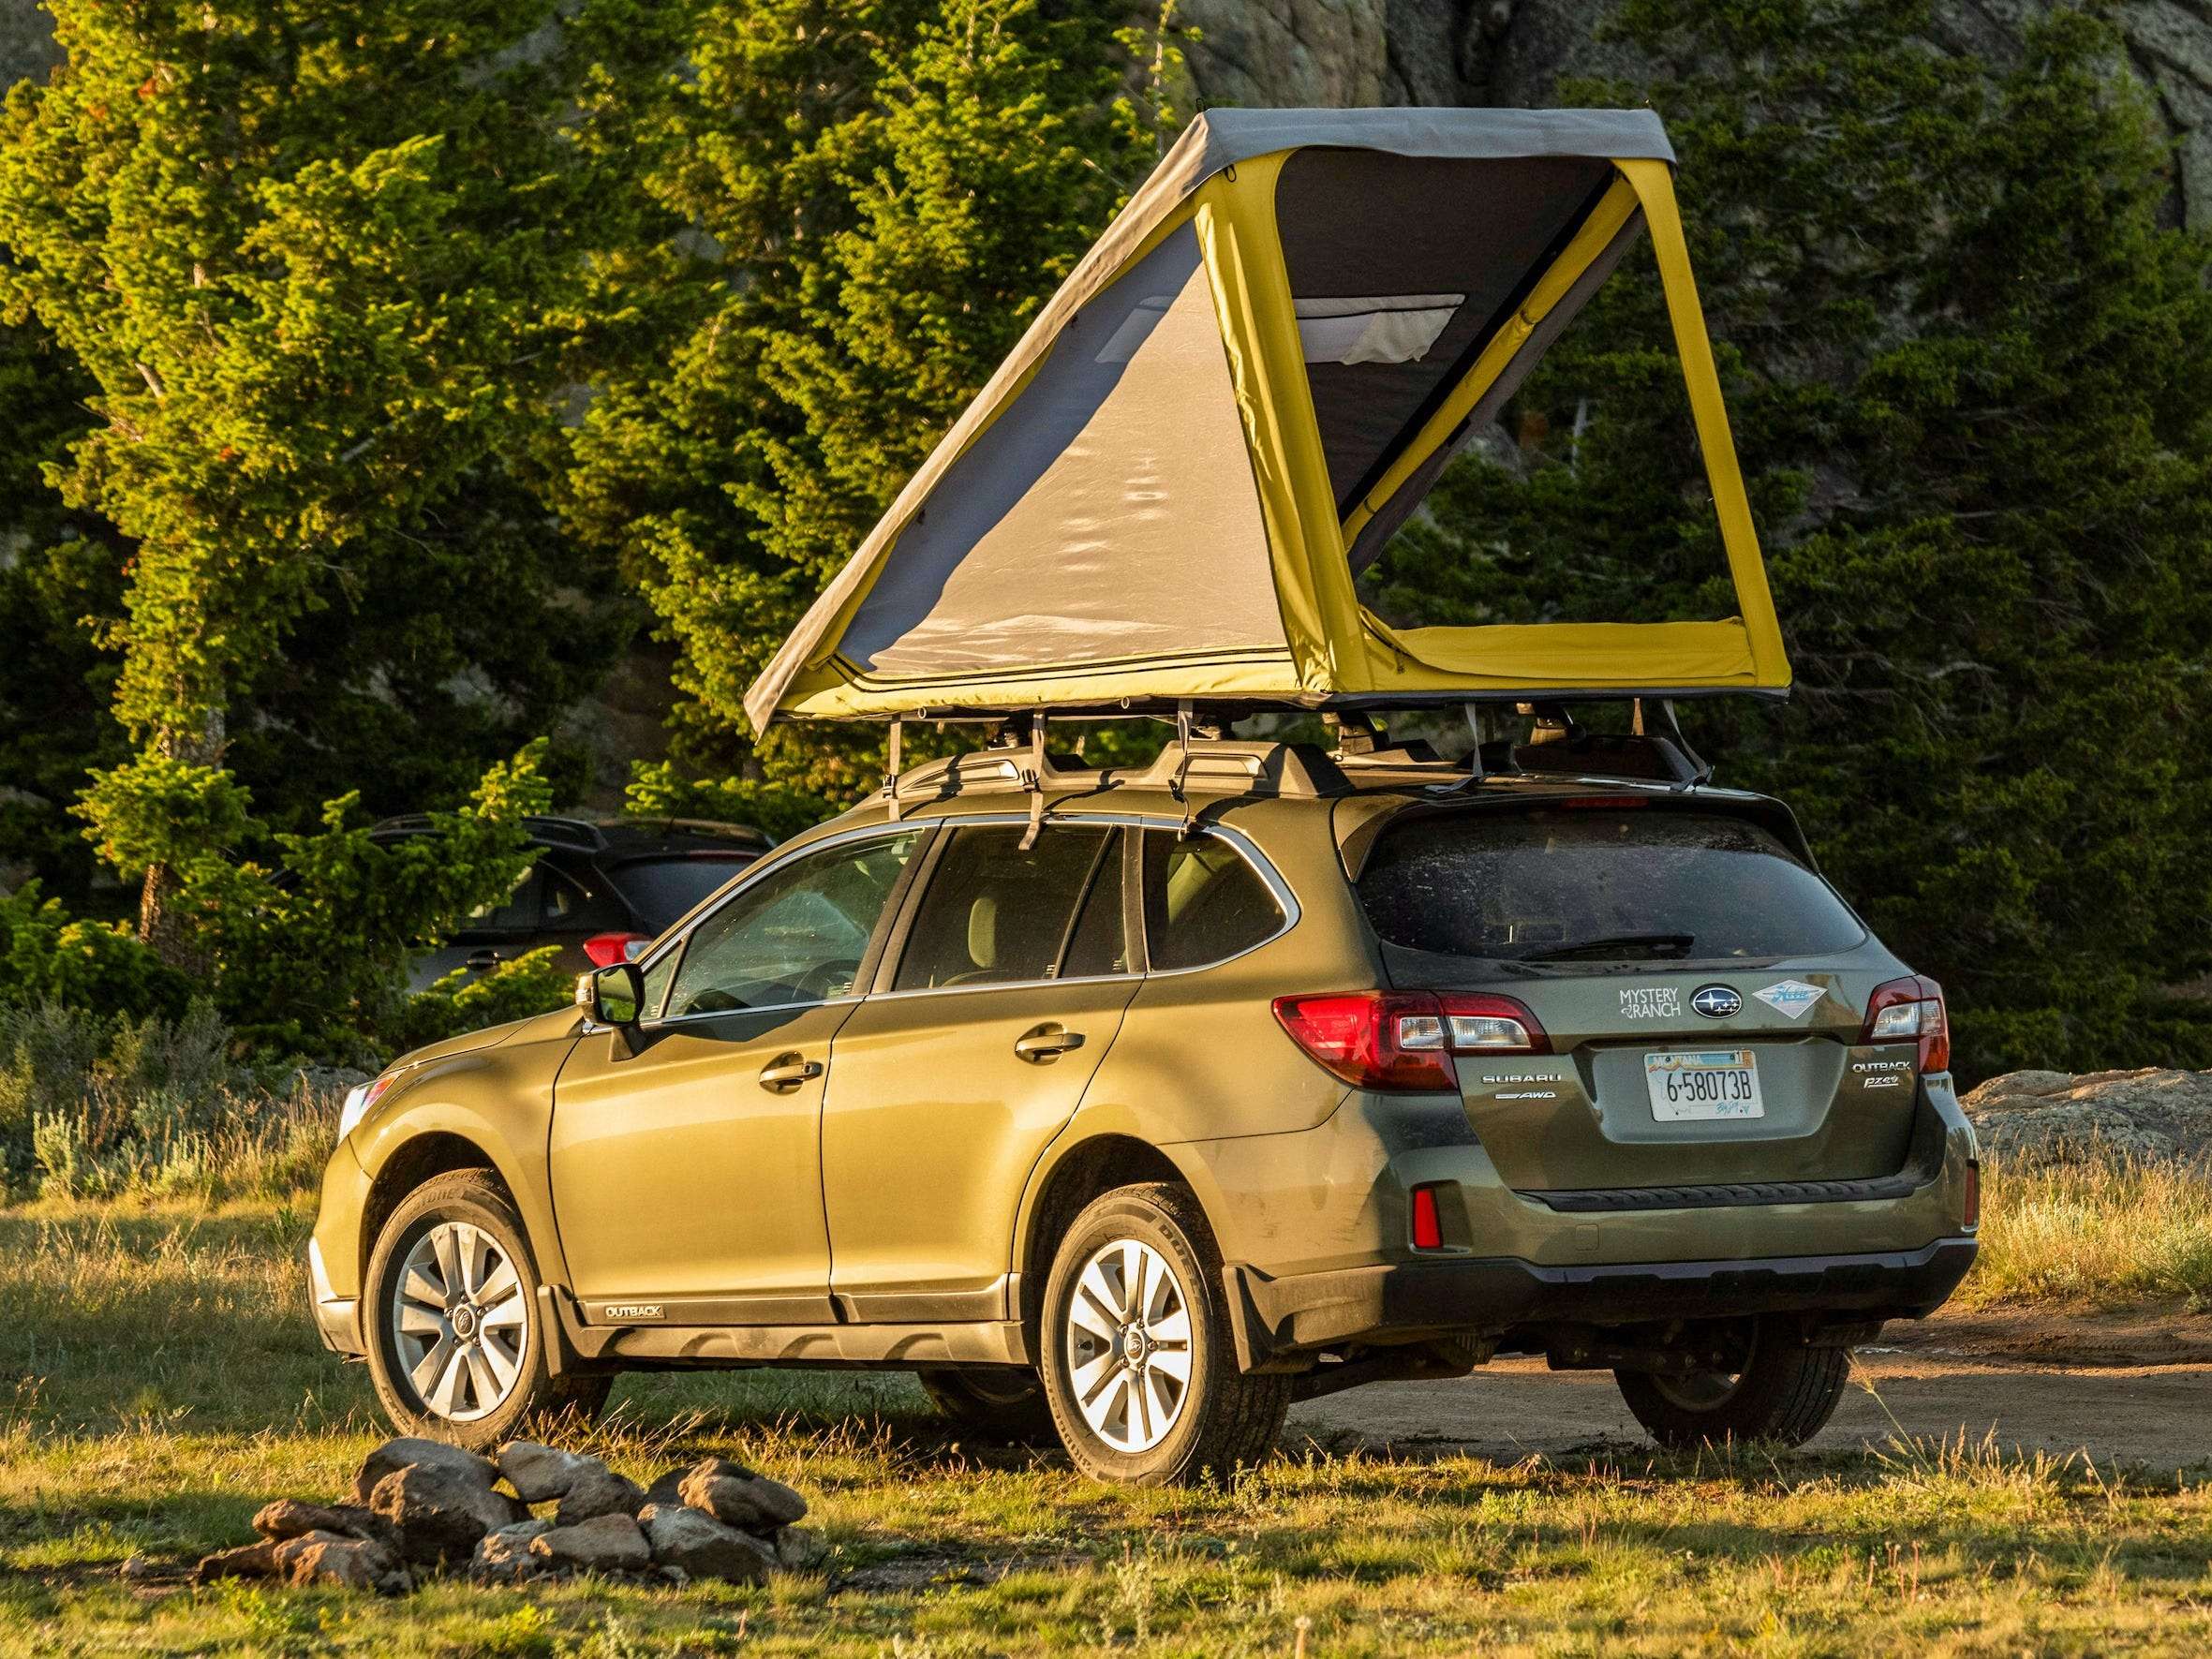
1403	1040
606	948
1912	1010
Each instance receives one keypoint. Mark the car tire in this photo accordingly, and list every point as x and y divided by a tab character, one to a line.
996	1402
1138	1363
451	1279
1784	1395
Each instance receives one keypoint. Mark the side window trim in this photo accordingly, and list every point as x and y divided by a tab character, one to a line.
1110	848
1256	861
894	908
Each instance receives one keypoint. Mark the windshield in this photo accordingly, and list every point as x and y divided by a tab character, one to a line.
661	890
1565	885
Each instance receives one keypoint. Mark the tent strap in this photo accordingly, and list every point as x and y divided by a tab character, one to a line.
1033	780
891	764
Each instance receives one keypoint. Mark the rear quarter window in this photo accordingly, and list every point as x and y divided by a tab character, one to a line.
1594	884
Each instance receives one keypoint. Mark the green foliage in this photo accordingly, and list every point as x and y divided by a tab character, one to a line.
46	955
320	265
657	789
532	983
880	194
1971	377
310	953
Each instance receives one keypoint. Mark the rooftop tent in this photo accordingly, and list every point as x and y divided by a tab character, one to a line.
1166	491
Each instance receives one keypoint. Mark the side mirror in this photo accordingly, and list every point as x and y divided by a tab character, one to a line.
613	995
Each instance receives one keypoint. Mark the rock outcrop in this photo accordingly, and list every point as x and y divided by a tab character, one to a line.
2157	1114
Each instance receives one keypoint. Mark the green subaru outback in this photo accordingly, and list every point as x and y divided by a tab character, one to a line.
1142	1104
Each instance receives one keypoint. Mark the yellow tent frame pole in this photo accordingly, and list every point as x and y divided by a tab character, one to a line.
1258	318
1653	183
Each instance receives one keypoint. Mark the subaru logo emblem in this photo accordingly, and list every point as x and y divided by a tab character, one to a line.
1716	1001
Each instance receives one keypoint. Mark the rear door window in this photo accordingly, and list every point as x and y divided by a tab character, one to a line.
996	914
1203	903
1597	885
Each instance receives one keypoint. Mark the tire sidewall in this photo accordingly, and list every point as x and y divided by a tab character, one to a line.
1122	1216
473	1199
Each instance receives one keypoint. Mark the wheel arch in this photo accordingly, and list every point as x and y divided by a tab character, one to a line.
1069	1178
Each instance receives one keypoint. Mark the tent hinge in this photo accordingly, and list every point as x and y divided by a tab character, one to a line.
1033	780
891	764
1475	725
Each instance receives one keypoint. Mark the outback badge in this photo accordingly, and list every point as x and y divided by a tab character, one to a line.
1716	1001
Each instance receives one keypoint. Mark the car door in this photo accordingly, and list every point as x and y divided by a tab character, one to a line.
685	1153
1008	988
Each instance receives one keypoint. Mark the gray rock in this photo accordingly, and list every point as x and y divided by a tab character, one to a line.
503	1557
540	1472
667	1488
737	1497
802	1549
703	1547
341	1562
293	1518
598	1491
441	1512
256	1560
408	1452
137	1568
604	1544
2156	1115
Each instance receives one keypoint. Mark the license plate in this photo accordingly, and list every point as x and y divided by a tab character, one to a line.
1700	1085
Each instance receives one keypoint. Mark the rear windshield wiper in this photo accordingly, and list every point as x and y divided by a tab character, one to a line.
1659	944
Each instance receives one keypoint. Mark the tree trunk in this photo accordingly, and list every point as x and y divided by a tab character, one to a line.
162	921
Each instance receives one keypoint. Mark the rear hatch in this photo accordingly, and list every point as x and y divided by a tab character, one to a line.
1701	988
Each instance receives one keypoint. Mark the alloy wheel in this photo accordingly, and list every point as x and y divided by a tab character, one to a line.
460	1322
1129	1345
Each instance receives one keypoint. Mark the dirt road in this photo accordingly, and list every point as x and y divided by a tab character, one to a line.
2052	1385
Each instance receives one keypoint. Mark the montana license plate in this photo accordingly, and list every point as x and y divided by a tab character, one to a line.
1699	1085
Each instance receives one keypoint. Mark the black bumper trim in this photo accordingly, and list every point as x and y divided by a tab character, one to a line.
1274	1317
1590	1200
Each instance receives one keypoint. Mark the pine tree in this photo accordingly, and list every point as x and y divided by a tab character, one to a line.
321	264
879	194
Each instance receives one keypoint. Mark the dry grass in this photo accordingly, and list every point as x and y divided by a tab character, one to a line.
2102	1232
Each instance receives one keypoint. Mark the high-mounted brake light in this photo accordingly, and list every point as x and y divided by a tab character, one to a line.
1402	1041
1601	803
1911	1011
606	948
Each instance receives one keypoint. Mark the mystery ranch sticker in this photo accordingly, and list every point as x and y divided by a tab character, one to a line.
1652	1002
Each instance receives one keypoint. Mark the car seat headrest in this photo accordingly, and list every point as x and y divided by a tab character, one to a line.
983	932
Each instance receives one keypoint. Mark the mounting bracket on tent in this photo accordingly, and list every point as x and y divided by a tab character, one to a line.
1033	779
891	759
1183	767
1473	711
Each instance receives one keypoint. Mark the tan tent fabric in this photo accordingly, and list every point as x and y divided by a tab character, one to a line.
1242	388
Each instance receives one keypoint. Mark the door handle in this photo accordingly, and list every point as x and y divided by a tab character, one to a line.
480	960
786	1072
1045	1044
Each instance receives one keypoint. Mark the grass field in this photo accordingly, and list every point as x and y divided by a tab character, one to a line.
158	1382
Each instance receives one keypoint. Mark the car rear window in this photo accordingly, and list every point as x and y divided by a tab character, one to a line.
1599	885
661	890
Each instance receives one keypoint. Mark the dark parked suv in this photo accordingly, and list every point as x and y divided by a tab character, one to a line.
601	890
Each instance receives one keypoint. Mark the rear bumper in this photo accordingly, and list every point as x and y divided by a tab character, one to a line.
1278	1319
